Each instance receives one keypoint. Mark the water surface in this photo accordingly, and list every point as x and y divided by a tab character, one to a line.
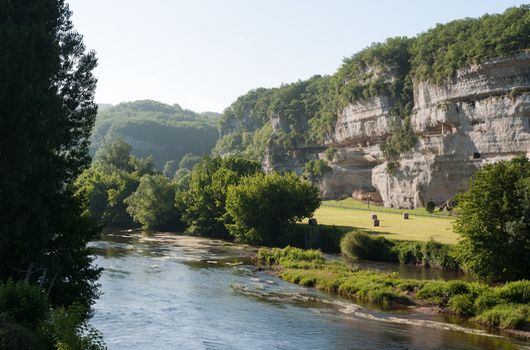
176	292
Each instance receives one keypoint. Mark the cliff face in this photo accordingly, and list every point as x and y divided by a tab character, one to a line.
481	116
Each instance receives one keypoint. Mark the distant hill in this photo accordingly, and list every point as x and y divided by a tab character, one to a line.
154	128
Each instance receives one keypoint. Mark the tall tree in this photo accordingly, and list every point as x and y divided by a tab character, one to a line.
47	112
494	221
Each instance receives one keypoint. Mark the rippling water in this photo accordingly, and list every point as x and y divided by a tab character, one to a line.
177	292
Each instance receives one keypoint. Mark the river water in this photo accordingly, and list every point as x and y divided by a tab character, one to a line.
165	291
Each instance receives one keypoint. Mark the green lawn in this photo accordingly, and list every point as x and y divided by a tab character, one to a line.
355	204
392	225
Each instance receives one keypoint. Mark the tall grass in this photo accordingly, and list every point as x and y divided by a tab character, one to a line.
505	306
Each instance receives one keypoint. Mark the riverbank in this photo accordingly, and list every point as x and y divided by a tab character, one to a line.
502	307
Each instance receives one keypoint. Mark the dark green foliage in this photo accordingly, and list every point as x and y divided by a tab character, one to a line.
314	170
152	205
381	69
439	52
323	237
153	128
494	222
359	245
23	304
15	337
28	322
431	253
47	112
430	206
262	206
112	178
203	204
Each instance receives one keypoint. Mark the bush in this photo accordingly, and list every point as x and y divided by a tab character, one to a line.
276	255
433	254
515	292
359	245
461	304
323	237
505	316
23	304
430	206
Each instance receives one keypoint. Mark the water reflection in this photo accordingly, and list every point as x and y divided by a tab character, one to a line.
166	292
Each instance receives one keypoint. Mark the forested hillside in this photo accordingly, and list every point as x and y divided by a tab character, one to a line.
153	128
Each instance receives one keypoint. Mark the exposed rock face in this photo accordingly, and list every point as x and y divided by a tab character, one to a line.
481	116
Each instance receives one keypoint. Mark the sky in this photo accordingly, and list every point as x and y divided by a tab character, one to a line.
203	54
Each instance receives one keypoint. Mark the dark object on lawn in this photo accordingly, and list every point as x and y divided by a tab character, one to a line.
312	222
376	222
430	206
374	216
406	216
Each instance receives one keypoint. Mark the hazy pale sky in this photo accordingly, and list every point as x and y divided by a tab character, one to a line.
203	54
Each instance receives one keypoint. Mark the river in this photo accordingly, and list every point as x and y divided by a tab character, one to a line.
165	291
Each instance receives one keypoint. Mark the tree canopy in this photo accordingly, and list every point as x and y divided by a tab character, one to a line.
153	128
263	206
494	221
203	205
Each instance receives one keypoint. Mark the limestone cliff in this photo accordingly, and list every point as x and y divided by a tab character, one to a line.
480	116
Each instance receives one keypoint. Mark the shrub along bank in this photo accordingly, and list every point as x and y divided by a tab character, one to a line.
359	245
503	306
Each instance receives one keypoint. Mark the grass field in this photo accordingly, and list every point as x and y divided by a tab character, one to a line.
355	204
392	225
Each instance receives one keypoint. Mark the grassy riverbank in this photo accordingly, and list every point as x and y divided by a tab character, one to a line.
393	226
506	306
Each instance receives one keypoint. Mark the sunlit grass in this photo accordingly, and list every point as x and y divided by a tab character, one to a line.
392	225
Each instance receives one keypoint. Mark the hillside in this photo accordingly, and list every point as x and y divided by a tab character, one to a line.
150	127
401	122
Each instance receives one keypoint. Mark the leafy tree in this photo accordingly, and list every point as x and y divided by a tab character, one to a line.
103	188
264	206
152	205
47	111
203	204
113	176
494	222
170	168
116	153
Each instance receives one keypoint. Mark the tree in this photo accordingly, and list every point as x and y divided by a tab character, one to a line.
113	176
102	188
203	204
494	222
264	206
116	153
152	205
170	168
47	111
